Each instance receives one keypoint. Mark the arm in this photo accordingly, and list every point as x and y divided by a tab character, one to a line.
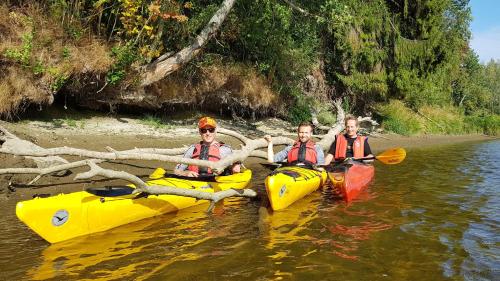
181	169
367	152
283	154
226	150
328	159
270	151
320	155
331	152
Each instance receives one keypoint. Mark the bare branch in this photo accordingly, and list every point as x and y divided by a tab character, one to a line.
161	189
215	197
44	171
367	119
6	134
162	151
259	154
16	146
240	156
98	171
231	133
297	8
336	129
13	143
314	120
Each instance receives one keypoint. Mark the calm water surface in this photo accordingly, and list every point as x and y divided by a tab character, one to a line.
436	216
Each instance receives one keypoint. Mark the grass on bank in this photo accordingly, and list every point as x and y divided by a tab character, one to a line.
398	118
39	57
155	122
68	121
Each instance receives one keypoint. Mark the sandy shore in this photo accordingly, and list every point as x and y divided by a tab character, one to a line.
125	133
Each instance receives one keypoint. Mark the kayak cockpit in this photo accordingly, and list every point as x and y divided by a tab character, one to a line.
110	191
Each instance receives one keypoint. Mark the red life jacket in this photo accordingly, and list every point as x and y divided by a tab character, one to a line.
303	153
341	147
205	152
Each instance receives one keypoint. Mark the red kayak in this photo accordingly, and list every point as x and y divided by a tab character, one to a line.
350	179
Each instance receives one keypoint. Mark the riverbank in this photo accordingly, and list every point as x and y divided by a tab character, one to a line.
129	132
122	133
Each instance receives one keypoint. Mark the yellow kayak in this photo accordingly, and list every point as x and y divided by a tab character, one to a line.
66	216
288	184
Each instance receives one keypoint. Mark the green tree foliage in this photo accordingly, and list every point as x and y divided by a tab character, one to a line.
370	51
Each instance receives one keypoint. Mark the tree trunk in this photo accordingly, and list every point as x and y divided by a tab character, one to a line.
159	69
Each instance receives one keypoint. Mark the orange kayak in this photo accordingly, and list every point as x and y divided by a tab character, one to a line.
351	179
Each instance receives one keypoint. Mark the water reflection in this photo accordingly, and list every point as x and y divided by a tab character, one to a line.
426	218
164	240
83	256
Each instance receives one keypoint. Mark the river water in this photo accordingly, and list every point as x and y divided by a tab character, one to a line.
435	216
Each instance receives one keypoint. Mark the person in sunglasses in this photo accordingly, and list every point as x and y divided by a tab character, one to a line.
207	149
303	152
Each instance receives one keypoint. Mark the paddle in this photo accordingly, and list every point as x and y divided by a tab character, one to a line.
390	157
273	166
161	173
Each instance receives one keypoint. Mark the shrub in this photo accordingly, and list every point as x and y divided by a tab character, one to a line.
489	125
397	118
439	120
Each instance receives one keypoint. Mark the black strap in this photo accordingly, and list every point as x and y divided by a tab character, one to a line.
292	174
204	156
110	191
302	152
201	177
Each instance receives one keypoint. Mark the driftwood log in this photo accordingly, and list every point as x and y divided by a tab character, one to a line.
49	160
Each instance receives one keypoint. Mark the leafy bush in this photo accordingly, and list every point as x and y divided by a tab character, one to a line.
300	109
489	125
22	55
124	56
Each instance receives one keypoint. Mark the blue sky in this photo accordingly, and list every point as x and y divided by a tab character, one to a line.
485	29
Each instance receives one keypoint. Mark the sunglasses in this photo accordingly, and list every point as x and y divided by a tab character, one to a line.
211	130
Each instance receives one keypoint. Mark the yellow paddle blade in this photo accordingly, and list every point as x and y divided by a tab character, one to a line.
392	156
157	174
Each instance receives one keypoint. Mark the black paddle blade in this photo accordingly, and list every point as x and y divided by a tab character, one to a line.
271	166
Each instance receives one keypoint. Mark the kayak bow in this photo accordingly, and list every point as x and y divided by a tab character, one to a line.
288	184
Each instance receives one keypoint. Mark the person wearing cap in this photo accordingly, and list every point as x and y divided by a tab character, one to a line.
207	149
303	152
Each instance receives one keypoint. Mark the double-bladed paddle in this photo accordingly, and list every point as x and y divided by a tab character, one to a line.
390	157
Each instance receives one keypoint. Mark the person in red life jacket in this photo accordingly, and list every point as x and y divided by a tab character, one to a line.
303	151
207	149
349	145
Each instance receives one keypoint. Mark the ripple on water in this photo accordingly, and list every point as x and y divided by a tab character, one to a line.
431	218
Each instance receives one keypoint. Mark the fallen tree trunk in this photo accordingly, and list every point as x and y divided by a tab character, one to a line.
11	144
159	69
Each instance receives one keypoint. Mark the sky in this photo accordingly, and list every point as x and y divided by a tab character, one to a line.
485	29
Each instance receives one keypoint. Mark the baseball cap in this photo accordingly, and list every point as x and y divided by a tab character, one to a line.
207	122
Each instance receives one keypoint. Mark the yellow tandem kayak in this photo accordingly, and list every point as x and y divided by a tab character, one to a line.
65	216
288	184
